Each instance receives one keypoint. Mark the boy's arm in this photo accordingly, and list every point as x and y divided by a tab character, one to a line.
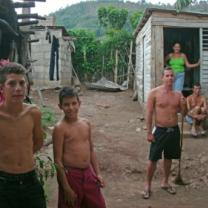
38	132
58	140
94	161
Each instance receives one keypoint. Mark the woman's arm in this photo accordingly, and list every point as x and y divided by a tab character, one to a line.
167	59
188	65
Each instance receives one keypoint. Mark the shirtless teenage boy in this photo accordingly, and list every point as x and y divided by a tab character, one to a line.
197	111
163	104
21	135
77	168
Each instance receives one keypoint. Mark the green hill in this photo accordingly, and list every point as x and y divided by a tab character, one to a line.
84	14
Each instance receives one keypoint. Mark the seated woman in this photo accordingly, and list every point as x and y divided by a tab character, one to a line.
178	61
197	111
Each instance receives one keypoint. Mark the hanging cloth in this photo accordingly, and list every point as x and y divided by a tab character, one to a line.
54	59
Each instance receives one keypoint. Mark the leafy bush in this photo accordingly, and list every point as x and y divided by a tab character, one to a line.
48	117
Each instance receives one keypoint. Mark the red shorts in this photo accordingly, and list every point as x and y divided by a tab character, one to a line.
85	184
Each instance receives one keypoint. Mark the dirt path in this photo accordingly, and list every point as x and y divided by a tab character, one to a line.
122	150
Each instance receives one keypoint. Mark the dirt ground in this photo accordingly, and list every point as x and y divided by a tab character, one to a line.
122	150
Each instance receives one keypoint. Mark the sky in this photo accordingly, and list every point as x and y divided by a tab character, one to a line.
44	8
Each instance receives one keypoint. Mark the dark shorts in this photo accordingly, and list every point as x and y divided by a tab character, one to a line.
21	191
167	141
85	184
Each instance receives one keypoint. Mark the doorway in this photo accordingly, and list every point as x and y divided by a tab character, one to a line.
189	40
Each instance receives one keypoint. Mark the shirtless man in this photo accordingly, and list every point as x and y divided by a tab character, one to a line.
197	111
164	104
77	168
21	136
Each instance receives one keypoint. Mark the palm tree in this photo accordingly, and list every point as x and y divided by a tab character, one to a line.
180	4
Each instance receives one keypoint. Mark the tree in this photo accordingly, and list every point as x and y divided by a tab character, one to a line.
116	42
86	59
112	17
135	18
180	4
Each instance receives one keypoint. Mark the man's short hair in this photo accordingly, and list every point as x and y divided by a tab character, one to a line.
196	84
168	68
67	92
11	68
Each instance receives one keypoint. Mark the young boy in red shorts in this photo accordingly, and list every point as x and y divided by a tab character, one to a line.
77	168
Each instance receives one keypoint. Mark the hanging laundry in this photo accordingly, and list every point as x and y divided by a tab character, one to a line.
54	61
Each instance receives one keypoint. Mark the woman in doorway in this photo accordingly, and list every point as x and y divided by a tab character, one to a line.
178	61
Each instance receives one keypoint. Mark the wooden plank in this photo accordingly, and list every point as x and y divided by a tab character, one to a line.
32	22
33	16
205	63
179	22
180	16
24	4
37	0
159	53
204	58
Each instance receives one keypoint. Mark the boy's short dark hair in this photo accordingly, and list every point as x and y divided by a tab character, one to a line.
11	68
67	92
196	84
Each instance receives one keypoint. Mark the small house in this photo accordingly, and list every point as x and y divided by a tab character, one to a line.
155	35
51	55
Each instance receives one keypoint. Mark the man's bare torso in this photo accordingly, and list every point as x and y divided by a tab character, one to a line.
167	105
16	142
76	144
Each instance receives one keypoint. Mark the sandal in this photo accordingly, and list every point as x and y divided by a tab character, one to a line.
146	194
193	133
169	189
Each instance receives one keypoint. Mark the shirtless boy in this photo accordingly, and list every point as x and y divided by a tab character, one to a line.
164	104
197	111
77	168
21	136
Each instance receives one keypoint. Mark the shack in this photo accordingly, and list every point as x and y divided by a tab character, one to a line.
51	54
14	30
155	35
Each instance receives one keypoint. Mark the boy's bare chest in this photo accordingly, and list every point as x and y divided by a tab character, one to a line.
12	129
77	134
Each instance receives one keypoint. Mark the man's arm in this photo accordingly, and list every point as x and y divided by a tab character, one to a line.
93	159
149	115
183	105
58	140
38	132
205	104
189	108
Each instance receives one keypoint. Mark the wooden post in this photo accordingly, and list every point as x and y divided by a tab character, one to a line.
116	67
103	64
130	62
84	54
